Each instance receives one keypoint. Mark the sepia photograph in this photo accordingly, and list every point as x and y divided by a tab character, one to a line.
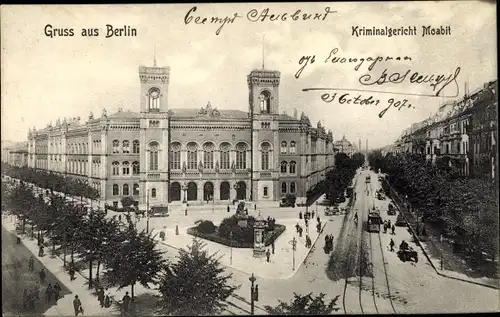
206	159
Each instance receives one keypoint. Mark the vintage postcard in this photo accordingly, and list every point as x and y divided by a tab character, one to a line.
249	158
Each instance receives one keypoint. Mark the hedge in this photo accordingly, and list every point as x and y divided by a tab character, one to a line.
214	237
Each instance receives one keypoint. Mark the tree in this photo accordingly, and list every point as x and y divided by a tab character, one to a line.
135	260
305	305
127	201
196	284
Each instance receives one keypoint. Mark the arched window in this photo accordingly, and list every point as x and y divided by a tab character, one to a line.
241	156
293	165
153	192
283	167
116	168
135	168
208	155
266	191
116	146
135	147
283	147
265	102
283	188
116	190
153	156
125	190
126	147
126	168
265	148
192	156
135	190
154	99
292	187
224	156
175	156
293	149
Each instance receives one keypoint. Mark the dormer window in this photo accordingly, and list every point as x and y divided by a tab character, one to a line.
154	99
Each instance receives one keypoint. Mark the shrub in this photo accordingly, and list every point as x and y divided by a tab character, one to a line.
240	234
206	226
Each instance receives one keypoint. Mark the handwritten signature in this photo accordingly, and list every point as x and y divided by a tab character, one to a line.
435	81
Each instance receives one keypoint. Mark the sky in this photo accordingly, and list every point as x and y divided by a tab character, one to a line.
44	78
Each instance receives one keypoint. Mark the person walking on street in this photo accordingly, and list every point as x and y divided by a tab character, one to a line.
228	209
57	291
391	244
306	221
71	272
48	293
76	305
100	296
126	301
393	228
312	213
268	255
389	223
107	299
31	264
300	232
317	219
297	227
42	275
40	251
272	246
300	214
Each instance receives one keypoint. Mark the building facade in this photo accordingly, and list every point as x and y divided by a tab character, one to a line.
161	155
464	132
345	146
16	154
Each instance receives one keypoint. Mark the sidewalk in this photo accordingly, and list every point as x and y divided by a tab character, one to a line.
78	287
444	261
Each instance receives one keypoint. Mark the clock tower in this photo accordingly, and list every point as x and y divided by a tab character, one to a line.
154	136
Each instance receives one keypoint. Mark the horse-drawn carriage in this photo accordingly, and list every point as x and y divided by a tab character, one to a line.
406	252
392	210
332	210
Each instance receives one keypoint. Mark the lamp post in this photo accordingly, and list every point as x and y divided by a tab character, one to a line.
252	279
294	247
231	247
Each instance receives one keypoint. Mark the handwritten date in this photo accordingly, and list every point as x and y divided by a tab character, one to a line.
348	99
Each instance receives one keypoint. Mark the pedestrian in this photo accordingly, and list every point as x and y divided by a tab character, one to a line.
389	223
48	293
72	272
255	207
228	209
297	227
107	298
77	304
327	237
31	264
393	229
57	291
268	255
40	251
272	246
42	275
300	232
126	301
300	214
391	244
25	298
100	296
306	221
317	219
313	213
318	227
185	212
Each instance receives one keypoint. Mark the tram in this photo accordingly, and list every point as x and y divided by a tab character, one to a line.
374	221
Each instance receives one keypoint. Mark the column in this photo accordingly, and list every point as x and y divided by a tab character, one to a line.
216	189
104	172
200	191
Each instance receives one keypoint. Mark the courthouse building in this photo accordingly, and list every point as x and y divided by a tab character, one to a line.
159	155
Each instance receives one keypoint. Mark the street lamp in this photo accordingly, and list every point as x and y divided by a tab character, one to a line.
231	247
293	242
252	279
